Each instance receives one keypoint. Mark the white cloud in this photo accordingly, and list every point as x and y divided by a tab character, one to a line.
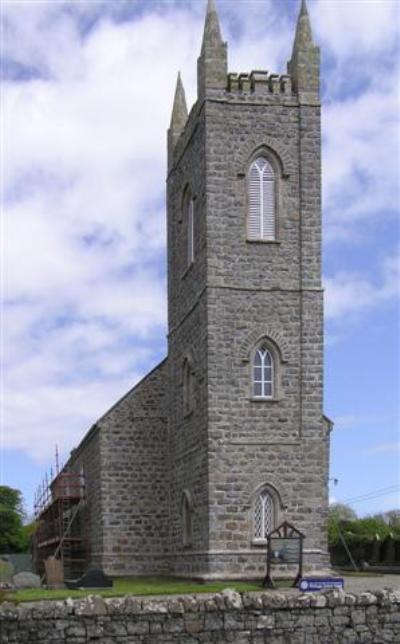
361	175
383	448
85	229
85	162
351	29
351	293
360	421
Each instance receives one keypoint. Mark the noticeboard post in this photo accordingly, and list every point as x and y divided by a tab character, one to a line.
284	547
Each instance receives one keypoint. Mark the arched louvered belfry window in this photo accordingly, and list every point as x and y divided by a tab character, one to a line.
264	518
261	201
263	373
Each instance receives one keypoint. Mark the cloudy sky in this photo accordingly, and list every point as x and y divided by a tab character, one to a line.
87	94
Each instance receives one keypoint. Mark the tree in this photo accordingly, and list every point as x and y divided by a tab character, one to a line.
342	512
338	512
393	518
12	535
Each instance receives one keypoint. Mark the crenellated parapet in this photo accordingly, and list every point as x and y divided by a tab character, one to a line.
260	82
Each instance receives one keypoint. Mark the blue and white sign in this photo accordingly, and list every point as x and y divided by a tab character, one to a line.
312	584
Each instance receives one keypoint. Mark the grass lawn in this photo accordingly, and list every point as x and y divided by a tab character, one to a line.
135	586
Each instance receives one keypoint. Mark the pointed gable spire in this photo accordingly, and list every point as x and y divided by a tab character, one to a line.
304	64
179	110
212	65
179	117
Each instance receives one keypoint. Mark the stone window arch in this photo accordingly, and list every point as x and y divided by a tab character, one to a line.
265	513
187	518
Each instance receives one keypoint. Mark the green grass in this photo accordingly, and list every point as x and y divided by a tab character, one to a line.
139	586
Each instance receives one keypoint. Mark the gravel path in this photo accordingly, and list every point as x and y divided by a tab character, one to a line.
362	584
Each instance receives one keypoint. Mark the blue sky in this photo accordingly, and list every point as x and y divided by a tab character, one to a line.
87	93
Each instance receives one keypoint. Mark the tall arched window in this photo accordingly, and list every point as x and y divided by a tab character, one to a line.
187	518
263	373
261	201
188	387
190	232
264	515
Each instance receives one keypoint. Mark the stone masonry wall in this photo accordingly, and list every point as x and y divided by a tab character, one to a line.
266	290
87	459
135	479
126	475
187	340
250	618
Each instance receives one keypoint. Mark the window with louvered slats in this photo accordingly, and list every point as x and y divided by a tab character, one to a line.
261	201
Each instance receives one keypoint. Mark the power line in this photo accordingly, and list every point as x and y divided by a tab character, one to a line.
373	494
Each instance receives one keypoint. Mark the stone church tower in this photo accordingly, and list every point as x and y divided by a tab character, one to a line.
226	438
248	440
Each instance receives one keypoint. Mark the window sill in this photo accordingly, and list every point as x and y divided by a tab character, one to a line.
258	399
259	543
263	241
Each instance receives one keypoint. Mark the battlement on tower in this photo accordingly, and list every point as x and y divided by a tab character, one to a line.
260	82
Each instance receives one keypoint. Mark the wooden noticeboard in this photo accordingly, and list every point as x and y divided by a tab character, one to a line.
284	546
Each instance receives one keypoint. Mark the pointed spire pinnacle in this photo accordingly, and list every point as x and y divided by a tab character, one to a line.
303	38
212	66
303	9
178	118
304	64
212	32
179	110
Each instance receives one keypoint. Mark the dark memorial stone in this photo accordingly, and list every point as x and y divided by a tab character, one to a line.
93	578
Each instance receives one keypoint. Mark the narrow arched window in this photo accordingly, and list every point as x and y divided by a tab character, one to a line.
188	387
187	519
190	232
263	373
261	200
264	515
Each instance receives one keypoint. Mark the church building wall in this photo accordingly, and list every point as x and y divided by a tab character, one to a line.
86	460
256	290
187	346
176	469
126	478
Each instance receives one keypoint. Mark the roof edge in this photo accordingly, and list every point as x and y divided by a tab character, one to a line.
94	429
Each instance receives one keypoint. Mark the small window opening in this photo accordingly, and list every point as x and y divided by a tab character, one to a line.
263	373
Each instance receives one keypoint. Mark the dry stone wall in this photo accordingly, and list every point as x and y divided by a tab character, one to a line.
249	618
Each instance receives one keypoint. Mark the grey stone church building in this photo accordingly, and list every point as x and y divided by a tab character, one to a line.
226	438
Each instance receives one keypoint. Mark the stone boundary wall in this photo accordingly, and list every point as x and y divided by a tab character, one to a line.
248	618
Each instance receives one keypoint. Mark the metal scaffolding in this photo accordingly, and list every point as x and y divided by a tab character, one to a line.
60	529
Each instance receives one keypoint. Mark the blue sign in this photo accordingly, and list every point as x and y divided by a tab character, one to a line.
312	584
